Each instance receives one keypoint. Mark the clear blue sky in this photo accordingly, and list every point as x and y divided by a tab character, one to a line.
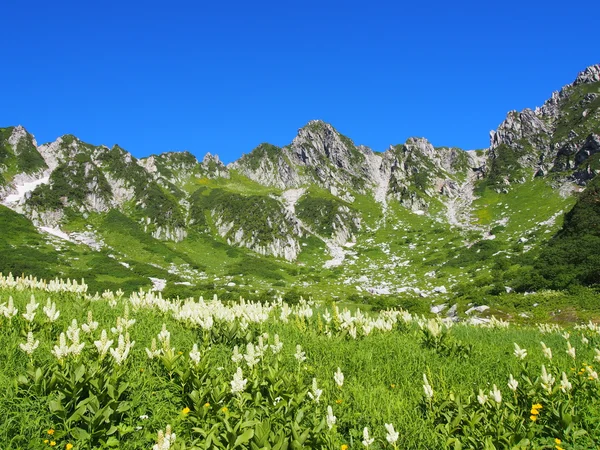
222	77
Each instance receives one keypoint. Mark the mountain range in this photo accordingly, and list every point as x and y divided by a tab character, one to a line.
321	215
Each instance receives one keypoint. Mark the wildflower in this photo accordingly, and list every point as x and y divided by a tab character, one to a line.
331	419
367	441
392	435
195	355
50	311
237	356
224	409
69	446
344	447
153	351
61	350
277	345
91	325
52	443
557	441
51	431
9	310
427	387
566	335
533	418
31	307
30	345
300	355
496	394
252	357
584	340
327	316
592	374
238	384
547	380
103	345
207	405
338	401
570	350
547	351
164	334
597	357
520	353
338	377
164	440
185	411
481	397
316	392
512	383
120	353
565	384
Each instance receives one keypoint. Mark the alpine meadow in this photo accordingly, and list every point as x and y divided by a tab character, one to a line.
317	295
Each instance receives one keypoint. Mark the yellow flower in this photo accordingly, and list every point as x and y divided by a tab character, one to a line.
45	441
558	447
339	401
69	446
393	386
557	441
51	431
185	410
224	409
533	418
534	411
206	405
344	447
52	443
537	406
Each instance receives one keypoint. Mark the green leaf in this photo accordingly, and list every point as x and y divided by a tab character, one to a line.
244	437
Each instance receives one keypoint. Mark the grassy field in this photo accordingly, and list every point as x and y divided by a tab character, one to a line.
121	391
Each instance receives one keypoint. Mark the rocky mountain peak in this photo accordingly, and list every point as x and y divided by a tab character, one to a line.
18	133
589	75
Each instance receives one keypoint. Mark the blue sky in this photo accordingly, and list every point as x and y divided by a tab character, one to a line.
222	77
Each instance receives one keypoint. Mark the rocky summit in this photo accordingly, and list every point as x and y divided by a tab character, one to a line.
322	214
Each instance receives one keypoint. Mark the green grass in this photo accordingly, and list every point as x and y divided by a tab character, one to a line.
383	377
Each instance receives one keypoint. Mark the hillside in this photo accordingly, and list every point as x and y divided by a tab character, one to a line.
322	215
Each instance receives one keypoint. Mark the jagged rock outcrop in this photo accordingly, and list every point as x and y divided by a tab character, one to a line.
548	139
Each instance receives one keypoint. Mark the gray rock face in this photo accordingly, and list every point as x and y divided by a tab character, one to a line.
589	75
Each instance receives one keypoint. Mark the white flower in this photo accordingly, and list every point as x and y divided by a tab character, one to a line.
61	350
338	377
566	335
367	441
195	355
9	310
31	307
331	419
300	355
547	351
153	351
520	353
277	345
592	374
481	397
103	345
496	394
91	325
164	335
597	357
392	435
547	380
252	357
120	353
565	384
570	350
50	310
237	356
512	383
584	340
238	384
427	389
165	439
316	392
30	345
327	316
